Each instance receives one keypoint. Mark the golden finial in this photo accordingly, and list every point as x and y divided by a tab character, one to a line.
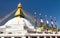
19	12
19	5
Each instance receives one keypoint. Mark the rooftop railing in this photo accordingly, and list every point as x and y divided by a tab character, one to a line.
29	35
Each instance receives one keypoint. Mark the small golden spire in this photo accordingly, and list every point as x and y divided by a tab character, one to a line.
19	12
19	5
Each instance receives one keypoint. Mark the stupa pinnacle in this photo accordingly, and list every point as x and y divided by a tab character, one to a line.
19	5
19	12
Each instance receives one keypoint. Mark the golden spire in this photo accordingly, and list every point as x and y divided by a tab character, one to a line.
19	5
19	12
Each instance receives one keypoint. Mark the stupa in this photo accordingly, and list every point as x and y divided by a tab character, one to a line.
16	25
19	26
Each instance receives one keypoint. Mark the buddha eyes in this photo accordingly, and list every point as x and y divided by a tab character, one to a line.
8	26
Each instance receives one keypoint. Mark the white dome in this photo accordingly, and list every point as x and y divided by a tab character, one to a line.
17	24
18	20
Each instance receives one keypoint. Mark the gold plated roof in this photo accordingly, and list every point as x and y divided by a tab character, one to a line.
19	12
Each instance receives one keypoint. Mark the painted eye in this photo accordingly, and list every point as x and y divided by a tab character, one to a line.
8	27
10	33
1	32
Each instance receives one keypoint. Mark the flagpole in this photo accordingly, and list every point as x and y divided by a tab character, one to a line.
40	16
47	23
51	21
41	23
55	24
35	19
46	17
51	28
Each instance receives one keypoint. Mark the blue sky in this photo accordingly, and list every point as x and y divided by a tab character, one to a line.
46	7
